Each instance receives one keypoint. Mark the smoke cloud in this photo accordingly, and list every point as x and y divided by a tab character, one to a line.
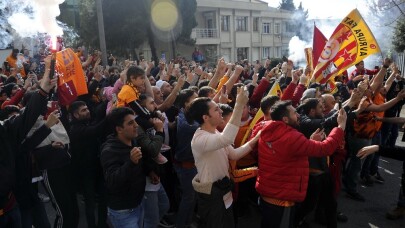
380	17
22	18
296	51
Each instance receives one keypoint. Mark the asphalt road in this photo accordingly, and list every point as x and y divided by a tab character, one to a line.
380	198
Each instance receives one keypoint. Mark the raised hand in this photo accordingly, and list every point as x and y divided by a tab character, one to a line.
46	83
243	96
135	155
341	119
53	119
318	135
221	65
157	124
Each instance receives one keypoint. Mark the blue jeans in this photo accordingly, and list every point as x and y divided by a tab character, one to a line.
353	164
188	196
128	218
155	205
11	218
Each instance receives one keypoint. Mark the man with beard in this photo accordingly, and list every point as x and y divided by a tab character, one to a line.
320	183
283	160
85	150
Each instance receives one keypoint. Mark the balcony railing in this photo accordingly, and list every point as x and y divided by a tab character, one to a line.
205	33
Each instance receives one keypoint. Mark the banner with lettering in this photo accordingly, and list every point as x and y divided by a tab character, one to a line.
351	42
71	80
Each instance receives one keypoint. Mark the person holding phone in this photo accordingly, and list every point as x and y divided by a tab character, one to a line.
14	62
212	151
320	184
12	133
278	154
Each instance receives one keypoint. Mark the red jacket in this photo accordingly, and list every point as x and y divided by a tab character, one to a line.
283	160
294	93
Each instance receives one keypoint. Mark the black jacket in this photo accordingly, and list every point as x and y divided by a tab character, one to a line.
397	152
308	126
12	133
85	144
25	194
125	181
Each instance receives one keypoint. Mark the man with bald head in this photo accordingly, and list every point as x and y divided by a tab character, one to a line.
157	95
329	102
164	87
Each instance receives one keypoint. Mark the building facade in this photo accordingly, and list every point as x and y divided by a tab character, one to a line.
241	29
235	30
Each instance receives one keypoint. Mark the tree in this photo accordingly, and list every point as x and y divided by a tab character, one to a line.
287	5
387	17
300	19
128	24
398	39
88	22
187	10
125	25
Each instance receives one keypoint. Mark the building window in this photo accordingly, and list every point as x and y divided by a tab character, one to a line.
266	52
277	28
242	53
278	52
289	27
255	24
266	28
284	51
225	23
241	23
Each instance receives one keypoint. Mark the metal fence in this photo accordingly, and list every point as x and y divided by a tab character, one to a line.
206	33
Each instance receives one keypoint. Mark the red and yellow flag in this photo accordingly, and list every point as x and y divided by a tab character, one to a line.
318	42
351	42
71	81
276	91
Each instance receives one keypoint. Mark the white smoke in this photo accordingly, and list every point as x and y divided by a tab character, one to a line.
296	51
27	18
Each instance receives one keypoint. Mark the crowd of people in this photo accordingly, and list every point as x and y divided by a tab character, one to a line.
153	139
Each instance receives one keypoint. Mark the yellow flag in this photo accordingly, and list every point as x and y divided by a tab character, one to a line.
351	42
276	91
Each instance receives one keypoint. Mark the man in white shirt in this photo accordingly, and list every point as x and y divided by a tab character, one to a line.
212	151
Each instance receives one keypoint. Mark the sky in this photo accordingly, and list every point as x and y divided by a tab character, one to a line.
321	9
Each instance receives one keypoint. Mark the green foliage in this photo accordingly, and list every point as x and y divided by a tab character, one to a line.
398	39
88	22
300	21
287	5
187	11
127	23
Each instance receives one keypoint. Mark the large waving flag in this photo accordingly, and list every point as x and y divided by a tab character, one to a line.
276	91
318	42
351	42
71	81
